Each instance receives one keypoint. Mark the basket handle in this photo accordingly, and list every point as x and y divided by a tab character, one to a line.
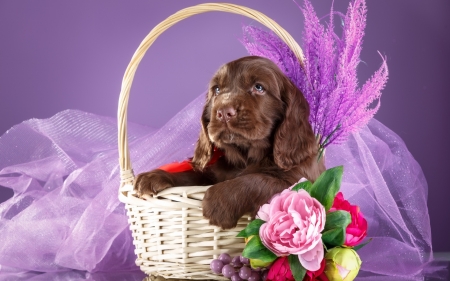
126	172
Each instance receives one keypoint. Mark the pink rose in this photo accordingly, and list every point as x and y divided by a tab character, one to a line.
294	222
280	271
357	230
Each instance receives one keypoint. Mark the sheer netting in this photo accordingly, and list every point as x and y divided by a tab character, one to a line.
65	213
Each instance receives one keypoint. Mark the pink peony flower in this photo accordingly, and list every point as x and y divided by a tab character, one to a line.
357	230
294	222
280	271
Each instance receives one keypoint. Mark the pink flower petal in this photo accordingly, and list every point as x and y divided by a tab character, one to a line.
311	260
263	212
343	272
275	205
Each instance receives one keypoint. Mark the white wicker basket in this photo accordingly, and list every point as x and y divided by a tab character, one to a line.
171	237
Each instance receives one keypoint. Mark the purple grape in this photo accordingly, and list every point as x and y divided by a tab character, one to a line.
216	266
236	277
264	275
225	258
236	262
256	276
244	260
245	272
228	271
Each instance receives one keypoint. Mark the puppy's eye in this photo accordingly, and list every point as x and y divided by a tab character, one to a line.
259	88
216	90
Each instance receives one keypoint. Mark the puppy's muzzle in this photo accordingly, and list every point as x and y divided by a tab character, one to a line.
225	114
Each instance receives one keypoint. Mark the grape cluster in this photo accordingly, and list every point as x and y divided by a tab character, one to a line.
237	268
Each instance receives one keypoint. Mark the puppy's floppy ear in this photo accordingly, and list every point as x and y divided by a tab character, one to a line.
294	141
204	147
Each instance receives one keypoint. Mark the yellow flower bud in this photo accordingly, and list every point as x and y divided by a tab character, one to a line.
342	264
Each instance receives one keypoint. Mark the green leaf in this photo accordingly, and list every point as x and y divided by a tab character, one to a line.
356	248
334	237
306	185
337	219
251	229
298	271
324	189
256	250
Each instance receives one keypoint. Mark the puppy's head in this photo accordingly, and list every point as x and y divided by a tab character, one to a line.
252	105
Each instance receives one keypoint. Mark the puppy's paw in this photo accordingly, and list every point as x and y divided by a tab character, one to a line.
220	209
152	182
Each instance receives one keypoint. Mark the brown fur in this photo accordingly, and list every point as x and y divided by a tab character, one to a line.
268	142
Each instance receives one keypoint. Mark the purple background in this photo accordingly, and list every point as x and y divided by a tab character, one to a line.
56	55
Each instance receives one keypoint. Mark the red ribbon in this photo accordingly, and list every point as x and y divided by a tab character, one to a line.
186	165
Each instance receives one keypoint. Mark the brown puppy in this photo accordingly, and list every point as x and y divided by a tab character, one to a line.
259	120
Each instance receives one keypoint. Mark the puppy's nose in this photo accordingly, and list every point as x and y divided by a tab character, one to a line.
225	114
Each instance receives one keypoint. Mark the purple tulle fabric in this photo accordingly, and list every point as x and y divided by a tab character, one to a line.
65	213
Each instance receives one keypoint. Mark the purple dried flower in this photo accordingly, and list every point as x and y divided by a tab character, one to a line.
328	79
264	44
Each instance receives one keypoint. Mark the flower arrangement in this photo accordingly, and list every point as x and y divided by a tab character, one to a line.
307	232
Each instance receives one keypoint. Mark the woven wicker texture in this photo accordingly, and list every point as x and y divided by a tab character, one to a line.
171	237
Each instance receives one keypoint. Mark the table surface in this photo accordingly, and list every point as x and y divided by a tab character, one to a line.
438	270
